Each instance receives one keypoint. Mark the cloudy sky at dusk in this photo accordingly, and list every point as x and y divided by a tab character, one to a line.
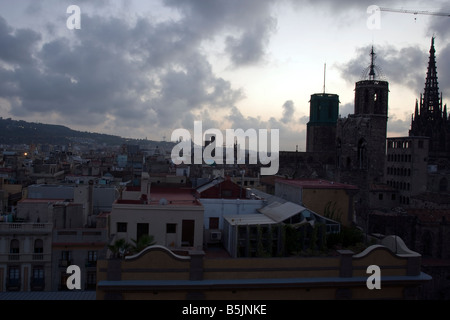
142	68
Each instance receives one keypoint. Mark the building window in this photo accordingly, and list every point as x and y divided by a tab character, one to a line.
91	280
14	246
362	153
63	281
13	281
121	227
171	228
66	259
38	246
214	223
380	196
38	273
37	280
92	256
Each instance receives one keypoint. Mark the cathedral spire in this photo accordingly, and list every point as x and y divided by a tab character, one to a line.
372	65
431	99
416	111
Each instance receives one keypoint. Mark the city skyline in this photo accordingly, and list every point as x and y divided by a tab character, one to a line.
143	69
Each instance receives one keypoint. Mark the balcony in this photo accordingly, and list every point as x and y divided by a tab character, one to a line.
14	257
80	235
25	257
38	256
25	228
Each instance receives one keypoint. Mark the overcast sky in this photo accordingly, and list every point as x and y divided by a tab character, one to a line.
144	68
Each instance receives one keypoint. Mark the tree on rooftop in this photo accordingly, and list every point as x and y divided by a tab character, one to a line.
119	248
142	242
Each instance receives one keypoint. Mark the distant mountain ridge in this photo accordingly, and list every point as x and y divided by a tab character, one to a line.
22	132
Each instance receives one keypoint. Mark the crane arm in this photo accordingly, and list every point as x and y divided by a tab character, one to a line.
416	12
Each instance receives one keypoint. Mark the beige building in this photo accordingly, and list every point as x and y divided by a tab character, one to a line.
173	216
157	273
46	237
330	199
25	256
25	248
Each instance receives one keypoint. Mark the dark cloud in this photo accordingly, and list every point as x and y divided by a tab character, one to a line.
401	66
249	48
133	74
16	44
443	66
440	25
248	24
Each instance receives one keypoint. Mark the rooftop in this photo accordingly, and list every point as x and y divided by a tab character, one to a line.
316	184
430	215
41	200
166	196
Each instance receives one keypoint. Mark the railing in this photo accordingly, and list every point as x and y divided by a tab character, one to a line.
38	256
80	235
25	257
14	257
25	227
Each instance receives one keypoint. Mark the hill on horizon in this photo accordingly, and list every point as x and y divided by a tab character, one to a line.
23	132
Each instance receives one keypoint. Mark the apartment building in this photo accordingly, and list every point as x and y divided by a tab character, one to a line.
407	166
173	216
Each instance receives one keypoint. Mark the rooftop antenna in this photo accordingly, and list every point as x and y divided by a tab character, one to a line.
324	76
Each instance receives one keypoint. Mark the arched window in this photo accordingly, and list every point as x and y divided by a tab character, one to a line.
38	246
362	153
14	246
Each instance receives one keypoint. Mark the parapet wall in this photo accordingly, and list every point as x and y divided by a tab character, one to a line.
158	273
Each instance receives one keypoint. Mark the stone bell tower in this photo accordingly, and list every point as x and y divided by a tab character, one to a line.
361	137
